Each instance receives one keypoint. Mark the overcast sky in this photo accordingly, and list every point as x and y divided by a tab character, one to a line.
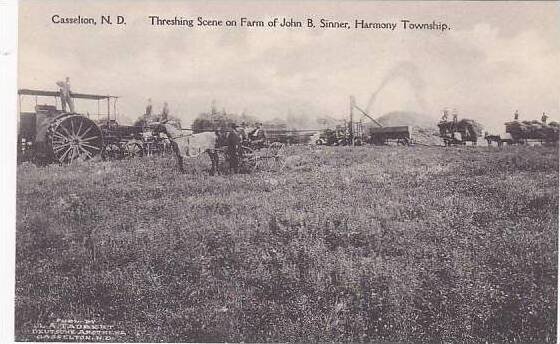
498	57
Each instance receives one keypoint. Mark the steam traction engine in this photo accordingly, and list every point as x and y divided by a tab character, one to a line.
48	134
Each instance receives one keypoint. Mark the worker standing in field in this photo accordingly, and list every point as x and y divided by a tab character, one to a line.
516	115
242	131
233	142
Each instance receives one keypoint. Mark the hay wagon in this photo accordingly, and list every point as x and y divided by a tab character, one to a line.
459	132
48	134
533	131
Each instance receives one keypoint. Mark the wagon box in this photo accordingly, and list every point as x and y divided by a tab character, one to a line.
392	132
383	134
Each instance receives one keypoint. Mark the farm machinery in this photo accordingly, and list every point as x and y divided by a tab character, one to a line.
333	137
527	131
125	141
357	133
459	132
48	134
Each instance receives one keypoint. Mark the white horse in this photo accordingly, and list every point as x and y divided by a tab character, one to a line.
192	145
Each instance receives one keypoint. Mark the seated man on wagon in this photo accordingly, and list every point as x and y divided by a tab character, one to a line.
258	136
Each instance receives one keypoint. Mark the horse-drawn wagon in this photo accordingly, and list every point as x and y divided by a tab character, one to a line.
459	132
383	135
268	157
533	131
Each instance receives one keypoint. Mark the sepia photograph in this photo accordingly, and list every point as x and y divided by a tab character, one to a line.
298	171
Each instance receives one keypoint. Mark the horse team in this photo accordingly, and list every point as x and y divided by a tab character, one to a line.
211	143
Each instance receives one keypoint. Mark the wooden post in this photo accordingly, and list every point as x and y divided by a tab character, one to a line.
351	125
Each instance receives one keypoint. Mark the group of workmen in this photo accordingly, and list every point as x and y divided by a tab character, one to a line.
164	112
445	116
544	116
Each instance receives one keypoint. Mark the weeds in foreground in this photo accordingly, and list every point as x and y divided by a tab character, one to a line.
346	244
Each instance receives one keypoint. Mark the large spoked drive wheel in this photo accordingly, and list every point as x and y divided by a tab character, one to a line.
74	137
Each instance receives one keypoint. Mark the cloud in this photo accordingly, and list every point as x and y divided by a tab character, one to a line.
484	67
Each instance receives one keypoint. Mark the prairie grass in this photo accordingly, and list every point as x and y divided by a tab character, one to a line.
361	244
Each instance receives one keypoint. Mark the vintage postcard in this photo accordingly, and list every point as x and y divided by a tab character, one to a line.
300	171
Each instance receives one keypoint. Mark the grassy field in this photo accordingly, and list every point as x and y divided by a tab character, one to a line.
405	244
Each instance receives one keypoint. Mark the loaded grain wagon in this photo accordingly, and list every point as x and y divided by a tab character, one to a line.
526	131
459	132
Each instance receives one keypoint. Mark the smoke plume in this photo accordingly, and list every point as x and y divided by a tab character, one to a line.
407	71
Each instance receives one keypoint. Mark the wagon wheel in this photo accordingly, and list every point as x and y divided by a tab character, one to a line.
275	156
223	166
75	137
133	149
249	160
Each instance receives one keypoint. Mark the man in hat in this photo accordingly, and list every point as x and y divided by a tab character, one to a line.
258	136
164	112
233	142
544	118
445	116
242	131
148	113
516	115
66	95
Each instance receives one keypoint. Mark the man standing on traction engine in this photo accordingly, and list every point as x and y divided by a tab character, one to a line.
66	95
164	112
